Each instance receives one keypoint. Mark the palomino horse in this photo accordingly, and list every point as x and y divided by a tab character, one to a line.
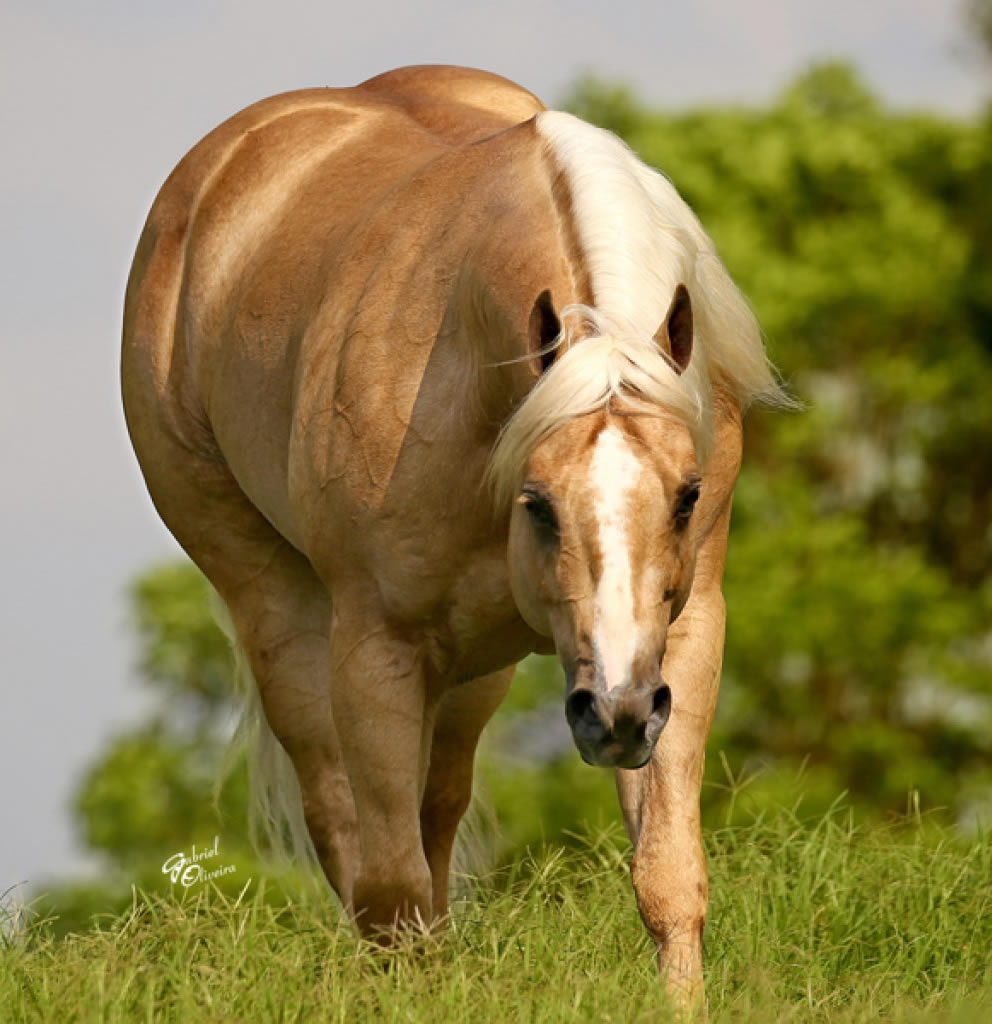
425	377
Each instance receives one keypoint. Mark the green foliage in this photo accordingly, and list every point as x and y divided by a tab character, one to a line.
808	923
182	650
608	104
172	779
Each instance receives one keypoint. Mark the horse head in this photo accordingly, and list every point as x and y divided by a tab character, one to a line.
602	546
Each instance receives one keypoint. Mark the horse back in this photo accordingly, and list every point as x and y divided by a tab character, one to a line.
418	108
458	105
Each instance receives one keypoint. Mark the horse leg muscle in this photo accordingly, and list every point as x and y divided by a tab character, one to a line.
462	714
282	619
384	719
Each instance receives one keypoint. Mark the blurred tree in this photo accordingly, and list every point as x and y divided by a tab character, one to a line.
182	652
978	15
609	104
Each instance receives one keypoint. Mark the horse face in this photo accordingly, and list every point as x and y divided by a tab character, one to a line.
602	554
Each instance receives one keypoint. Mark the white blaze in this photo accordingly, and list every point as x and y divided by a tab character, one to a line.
613	471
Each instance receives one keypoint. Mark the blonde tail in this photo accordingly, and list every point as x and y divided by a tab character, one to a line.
275	821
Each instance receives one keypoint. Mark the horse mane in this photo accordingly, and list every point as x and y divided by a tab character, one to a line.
639	240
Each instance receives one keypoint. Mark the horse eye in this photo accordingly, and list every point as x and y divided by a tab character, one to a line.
541	512
684	504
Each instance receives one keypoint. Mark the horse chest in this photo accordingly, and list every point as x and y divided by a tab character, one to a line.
463	614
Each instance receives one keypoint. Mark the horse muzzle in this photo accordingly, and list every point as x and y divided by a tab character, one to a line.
618	728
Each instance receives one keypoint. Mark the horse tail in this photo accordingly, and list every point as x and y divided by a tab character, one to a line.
276	826
477	843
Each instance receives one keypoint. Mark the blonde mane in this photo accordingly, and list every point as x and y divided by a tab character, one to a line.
639	240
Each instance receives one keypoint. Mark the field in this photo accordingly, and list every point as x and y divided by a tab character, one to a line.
819	921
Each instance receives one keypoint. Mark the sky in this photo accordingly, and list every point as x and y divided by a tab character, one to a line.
98	101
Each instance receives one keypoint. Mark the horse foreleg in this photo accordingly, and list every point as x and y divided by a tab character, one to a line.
461	717
660	802
384	719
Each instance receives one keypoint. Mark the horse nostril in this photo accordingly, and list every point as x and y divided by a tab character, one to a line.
661	702
580	705
584	718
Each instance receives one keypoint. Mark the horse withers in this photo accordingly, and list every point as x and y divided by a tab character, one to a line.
425	377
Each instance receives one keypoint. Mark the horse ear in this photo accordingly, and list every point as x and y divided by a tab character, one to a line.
675	333
544	329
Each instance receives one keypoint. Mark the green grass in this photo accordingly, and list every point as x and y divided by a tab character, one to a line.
821	922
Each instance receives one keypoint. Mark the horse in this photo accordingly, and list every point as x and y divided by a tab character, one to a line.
426	377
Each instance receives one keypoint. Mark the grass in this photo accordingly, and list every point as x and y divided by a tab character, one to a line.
821	922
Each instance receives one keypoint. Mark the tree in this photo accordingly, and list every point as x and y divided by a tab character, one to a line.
978	16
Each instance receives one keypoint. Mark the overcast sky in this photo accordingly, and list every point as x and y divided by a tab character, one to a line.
97	103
